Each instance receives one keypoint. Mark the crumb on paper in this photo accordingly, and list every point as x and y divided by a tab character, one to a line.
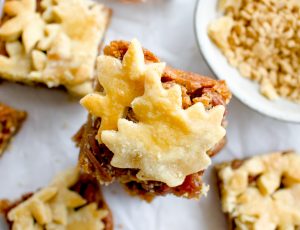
120	226
65	126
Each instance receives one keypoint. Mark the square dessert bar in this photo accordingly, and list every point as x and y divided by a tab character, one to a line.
52	42
71	201
262	192
151	127
10	122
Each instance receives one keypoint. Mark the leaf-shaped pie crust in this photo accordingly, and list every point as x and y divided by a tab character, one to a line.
57	207
167	143
122	83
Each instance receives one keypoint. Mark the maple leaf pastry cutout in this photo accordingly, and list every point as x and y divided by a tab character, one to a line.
57	206
167	143
122	81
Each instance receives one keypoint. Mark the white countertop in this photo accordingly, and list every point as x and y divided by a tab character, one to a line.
43	146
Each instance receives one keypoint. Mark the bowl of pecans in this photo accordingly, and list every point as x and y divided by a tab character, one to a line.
255	46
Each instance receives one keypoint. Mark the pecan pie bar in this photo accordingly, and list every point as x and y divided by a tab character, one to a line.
151	127
72	201
262	192
10	122
52	42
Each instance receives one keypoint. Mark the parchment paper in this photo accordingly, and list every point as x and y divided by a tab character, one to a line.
43	146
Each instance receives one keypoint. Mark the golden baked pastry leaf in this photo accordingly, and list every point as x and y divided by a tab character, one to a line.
167	143
57	207
122	81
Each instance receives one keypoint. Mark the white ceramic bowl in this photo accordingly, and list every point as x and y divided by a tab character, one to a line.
245	90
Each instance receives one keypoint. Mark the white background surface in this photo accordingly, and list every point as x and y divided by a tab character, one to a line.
43	146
